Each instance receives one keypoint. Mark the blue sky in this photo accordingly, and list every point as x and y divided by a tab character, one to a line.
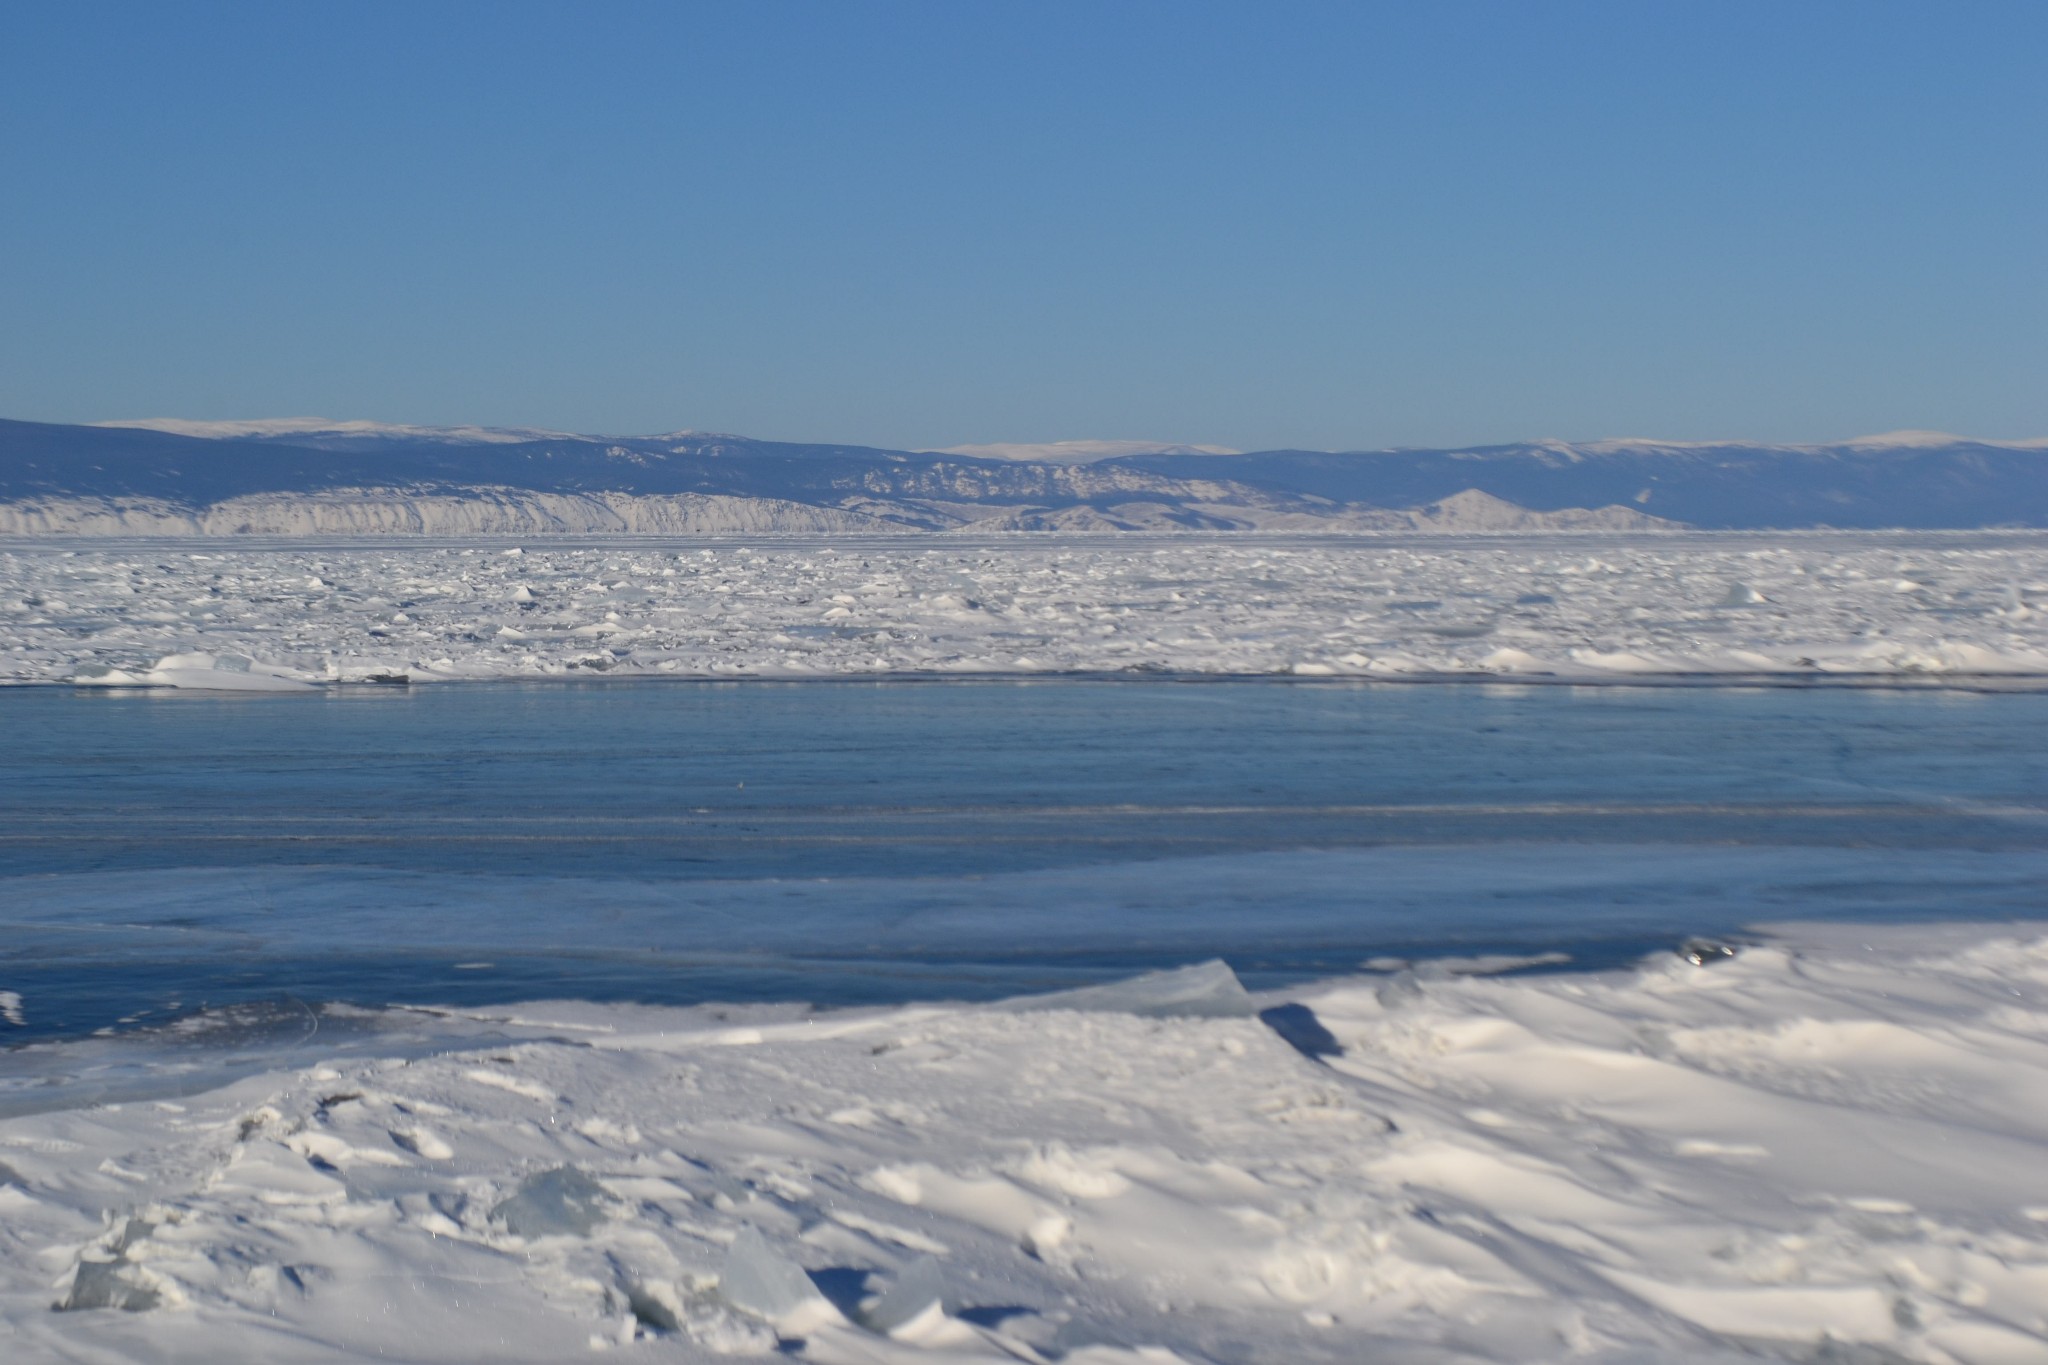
1339	226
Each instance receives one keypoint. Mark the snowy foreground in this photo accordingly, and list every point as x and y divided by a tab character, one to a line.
1831	1147
1564	606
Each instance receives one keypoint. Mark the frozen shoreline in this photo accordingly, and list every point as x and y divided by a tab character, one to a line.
1828	1146
1673	606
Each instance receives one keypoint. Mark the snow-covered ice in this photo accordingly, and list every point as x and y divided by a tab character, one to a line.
1832	1145
1515	606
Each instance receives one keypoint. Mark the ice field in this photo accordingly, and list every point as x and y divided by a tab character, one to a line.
1829	1146
268	615
263	1097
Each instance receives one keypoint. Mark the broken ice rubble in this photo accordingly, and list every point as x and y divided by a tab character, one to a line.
276	618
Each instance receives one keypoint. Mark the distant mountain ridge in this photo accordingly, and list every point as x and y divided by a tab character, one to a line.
310	476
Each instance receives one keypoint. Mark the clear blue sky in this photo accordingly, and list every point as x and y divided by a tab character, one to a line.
1256	224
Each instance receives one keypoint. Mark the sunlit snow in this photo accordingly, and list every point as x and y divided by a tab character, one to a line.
1827	1146
1513	606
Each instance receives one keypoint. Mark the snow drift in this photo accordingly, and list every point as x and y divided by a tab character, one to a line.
1829	1145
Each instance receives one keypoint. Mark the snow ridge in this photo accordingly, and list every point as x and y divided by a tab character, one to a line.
273	427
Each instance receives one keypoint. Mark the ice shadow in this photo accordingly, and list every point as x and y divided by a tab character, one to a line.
1299	1028
843	1287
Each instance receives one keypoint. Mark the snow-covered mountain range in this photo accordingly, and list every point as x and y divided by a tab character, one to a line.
313	476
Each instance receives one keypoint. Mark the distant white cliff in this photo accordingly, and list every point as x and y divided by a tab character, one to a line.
388	511
514	511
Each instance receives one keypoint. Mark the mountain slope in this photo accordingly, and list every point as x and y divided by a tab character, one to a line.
1878	482
305	475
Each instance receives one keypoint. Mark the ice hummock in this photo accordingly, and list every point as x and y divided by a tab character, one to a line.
220	673
761	1281
1203	990
558	1202
107	1278
108	1284
917	1289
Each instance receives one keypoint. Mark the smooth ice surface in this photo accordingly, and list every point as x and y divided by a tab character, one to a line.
1812	605
1830	1146
875	842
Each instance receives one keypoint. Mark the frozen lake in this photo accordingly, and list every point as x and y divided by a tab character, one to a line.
1828	1145
869	842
